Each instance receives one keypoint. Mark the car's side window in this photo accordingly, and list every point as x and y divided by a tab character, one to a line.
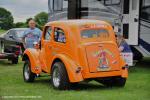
9	35
48	33
59	35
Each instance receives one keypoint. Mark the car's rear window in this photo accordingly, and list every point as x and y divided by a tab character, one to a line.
94	33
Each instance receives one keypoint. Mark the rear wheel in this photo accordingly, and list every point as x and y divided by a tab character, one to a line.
59	77
119	81
27	74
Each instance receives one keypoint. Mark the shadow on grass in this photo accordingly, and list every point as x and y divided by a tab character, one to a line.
141	65
145	63
90	86
75	87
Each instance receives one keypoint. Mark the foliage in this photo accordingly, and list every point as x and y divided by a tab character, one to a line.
20	25
41	19
2	31
6	19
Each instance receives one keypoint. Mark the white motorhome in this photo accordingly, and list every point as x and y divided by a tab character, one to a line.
131	18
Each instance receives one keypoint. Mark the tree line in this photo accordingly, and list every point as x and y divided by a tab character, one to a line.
7	20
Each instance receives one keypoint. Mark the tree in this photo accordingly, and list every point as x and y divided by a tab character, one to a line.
41	19
6	19
20	25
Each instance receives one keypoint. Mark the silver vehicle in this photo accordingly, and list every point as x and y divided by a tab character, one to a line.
11	45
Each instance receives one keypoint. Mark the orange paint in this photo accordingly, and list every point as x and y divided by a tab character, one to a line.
96	56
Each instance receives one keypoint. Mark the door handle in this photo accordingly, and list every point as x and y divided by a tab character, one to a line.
135	19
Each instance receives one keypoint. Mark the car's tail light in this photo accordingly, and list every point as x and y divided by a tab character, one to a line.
17	52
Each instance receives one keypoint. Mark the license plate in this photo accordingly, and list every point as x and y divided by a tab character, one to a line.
103	68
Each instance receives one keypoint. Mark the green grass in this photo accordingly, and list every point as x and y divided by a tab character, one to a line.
12	84
2	31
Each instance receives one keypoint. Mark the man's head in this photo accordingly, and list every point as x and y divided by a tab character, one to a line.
32	24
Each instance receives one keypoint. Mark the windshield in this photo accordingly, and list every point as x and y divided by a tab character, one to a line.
94	33
19	33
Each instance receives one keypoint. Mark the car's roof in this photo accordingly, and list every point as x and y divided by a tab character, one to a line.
13	29
78	22
18	29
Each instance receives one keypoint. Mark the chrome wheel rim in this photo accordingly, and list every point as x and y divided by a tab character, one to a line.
56	77
26	72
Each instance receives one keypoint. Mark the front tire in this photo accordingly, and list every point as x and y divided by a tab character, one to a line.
59	77
27	74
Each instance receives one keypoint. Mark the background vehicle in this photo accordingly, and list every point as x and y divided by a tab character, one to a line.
130	18
11	44
76	50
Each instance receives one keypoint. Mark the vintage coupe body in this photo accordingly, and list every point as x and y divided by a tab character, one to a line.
76	50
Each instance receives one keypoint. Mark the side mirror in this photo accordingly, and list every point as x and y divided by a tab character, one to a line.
36	45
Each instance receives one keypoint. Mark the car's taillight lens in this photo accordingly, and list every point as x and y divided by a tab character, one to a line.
17	52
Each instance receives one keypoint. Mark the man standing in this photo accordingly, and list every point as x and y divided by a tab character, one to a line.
31	35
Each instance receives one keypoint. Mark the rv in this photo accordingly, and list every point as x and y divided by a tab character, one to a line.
130	18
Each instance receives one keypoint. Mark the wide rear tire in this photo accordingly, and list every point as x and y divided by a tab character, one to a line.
119	81
27	73
59	78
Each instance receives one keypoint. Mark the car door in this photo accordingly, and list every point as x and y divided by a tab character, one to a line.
46	48
130	22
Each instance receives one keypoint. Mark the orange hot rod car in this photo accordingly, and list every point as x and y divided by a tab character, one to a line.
76	50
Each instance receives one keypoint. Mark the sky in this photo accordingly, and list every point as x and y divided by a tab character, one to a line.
23	9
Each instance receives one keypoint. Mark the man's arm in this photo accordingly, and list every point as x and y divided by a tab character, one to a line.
40	34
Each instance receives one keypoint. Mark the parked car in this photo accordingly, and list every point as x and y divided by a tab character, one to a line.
11	44
76	50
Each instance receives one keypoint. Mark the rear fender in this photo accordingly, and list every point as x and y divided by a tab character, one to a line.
124	73
33	56
71	68
124	69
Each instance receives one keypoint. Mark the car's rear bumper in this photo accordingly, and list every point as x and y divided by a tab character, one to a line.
123	73
7	55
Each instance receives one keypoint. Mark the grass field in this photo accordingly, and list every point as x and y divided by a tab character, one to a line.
12	84
2	31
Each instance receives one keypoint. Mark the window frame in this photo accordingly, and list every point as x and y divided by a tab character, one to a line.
108	33
50	35
57	38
